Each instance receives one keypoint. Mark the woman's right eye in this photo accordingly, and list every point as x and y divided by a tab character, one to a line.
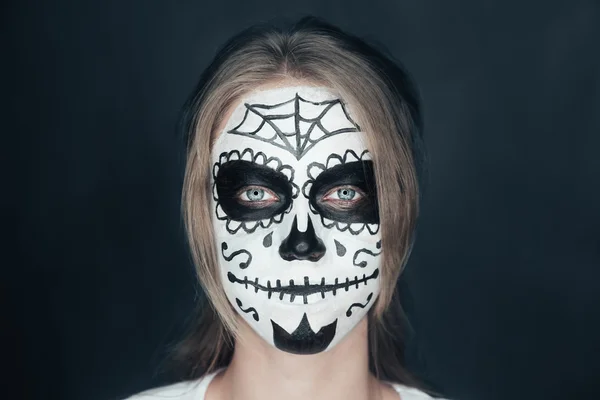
257	196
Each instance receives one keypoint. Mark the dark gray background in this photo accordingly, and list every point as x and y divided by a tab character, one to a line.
502	288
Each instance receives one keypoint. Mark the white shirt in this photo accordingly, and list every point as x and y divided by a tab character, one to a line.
195	390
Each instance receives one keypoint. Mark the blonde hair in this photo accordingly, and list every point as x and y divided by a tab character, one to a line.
387	110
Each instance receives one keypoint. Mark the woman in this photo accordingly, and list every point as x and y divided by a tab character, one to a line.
300	201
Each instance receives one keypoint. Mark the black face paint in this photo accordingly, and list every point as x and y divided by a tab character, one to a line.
302	245
303	340
268	240
363	264
359	305
303	289
359	174
243	264
298	144
248	310
235	175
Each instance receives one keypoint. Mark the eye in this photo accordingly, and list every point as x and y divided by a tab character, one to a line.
344	196
256	196
347	194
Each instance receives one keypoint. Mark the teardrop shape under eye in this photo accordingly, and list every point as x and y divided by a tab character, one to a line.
268	240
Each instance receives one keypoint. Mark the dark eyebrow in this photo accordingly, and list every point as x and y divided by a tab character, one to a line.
235	175
359	174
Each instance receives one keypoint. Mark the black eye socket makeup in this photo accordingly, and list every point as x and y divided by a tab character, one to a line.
346	193
252	192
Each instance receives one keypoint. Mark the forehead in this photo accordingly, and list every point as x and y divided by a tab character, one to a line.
297	124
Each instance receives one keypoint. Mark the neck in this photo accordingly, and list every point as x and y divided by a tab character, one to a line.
260	371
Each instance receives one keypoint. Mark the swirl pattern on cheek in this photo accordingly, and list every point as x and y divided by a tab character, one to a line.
243	264
363	264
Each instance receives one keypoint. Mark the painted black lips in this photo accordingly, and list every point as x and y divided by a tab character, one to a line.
303	340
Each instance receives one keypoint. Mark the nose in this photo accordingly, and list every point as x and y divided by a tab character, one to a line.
302	245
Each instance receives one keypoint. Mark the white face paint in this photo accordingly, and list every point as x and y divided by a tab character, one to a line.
296	219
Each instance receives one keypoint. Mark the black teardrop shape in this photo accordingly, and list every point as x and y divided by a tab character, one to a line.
268	240
339	248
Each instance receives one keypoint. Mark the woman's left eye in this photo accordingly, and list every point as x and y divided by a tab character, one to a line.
343	194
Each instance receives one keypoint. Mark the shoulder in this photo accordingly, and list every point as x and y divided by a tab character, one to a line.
179	391
409	393
188	390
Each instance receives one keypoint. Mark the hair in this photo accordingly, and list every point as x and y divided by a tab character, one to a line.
385	104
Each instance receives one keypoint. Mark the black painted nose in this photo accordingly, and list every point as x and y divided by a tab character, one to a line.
302	245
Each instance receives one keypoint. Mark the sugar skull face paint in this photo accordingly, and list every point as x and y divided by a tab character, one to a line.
296	217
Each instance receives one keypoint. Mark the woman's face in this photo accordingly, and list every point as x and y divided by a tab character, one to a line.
296	217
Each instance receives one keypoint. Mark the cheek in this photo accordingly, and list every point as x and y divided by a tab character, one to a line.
352	244
355	254
350	236
251	248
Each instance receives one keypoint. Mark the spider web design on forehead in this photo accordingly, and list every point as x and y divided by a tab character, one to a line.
295	125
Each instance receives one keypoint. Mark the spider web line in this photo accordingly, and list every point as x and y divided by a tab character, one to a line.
303	141
297	123
272	124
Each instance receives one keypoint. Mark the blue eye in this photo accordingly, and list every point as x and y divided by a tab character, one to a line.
255	194
346	194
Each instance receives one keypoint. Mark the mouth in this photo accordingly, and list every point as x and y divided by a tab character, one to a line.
306	289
